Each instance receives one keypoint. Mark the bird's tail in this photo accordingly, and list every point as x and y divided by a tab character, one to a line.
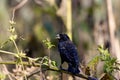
73	69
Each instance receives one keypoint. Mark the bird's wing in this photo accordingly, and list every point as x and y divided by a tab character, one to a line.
69	51
63	51
72	52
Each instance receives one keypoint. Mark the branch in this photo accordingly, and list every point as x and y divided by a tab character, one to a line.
45	68
6	52
17	7
64	71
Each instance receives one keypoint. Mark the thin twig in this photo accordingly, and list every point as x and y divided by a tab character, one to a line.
24	63
16	46
17	7
6	52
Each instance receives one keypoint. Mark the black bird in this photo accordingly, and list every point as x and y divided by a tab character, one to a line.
68	53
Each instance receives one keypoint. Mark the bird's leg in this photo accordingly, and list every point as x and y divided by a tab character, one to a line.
61	67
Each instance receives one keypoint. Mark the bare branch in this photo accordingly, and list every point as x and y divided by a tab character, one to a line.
63	71
17	7
6	52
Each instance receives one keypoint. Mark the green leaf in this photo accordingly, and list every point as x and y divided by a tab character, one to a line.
109	61
54	63
48	43
94	61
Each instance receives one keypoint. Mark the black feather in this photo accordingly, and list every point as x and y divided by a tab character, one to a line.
68	53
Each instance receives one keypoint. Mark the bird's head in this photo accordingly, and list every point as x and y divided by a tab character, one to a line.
62	37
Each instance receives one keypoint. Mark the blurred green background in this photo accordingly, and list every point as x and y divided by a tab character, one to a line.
37	20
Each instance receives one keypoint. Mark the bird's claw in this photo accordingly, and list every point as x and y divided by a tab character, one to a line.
62	68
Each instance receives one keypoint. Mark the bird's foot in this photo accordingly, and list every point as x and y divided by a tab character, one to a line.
62	68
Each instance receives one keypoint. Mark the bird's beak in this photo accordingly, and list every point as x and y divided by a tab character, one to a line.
57	36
